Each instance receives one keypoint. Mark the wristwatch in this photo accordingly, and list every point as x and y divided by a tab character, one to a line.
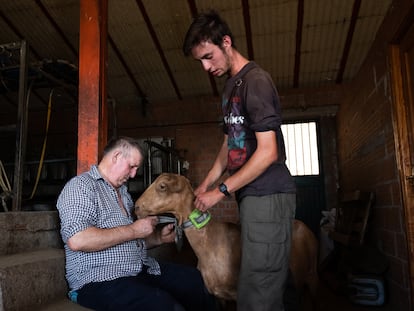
223	189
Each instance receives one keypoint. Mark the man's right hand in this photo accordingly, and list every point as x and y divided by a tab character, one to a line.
144	227
96	239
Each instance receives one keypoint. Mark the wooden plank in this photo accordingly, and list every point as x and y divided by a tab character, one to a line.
402	146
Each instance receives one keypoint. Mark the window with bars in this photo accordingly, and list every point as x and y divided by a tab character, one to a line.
302	157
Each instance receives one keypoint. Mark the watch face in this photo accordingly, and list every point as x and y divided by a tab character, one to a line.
223	189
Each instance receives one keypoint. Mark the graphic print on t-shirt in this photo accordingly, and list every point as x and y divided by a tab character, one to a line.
234	121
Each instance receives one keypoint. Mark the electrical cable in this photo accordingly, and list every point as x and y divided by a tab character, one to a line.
4	181
5	186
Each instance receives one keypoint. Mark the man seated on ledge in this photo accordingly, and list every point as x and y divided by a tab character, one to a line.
107	267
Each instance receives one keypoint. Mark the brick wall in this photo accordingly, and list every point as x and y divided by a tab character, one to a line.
367	160
203	143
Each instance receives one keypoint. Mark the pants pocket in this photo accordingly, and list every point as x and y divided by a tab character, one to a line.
266	246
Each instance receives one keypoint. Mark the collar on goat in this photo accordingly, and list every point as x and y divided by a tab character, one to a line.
197	219
162	219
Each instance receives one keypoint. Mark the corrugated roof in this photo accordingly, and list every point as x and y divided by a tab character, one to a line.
301	43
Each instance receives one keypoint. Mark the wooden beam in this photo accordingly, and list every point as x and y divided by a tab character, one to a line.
248	28
56	27
126	67
298	49
348	41
92	112
157	44
194	12
16	31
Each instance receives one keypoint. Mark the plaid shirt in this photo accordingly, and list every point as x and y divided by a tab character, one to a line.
87	201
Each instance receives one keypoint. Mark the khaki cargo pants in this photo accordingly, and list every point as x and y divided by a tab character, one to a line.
266	223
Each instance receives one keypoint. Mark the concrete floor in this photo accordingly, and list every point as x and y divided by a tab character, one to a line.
329	301
329	298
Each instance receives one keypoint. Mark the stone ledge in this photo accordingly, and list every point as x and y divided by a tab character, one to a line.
29	231
31	279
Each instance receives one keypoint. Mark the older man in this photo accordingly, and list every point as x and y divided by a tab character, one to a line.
107	267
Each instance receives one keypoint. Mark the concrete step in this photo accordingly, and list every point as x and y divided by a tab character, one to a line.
32	279
35	280
29	231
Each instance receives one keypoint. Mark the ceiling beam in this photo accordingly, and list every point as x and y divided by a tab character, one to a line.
17	32
248	28
56	27
299	33
193	8
194	12
159	48
126	67
348	41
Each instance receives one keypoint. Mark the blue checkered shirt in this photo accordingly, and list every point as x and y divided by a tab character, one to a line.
87	201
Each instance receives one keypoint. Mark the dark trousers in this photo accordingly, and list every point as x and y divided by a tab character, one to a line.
178	288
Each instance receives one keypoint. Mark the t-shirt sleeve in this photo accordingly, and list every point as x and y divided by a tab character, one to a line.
262	104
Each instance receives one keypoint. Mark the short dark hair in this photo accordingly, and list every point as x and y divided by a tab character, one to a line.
125	144
206	26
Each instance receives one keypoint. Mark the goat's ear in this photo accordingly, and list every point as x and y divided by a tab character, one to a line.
162	186
176	184
170	183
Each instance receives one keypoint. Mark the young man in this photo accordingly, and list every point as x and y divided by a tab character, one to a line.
253	154
107	267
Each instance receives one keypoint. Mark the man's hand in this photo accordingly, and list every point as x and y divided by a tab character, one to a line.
144	227
200	189
167	234
96	239
207	199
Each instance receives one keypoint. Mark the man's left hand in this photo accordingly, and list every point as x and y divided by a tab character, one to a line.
167	234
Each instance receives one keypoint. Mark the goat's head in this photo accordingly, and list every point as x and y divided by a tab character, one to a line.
169	193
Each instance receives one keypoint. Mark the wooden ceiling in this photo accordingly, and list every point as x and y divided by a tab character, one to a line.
302	43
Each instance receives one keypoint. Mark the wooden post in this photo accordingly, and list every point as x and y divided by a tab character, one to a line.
92	109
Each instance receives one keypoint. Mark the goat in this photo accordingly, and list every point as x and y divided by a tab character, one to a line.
217	244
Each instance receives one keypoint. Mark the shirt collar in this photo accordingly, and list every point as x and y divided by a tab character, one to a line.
94	172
